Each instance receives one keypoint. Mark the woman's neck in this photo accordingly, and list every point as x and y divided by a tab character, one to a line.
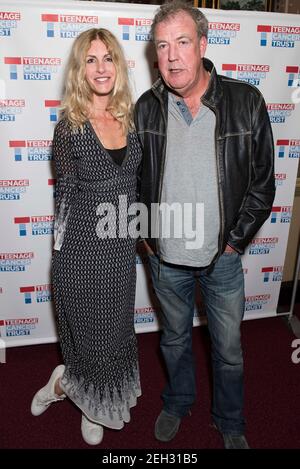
99	108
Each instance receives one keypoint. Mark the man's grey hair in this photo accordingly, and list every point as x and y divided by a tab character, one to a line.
172	8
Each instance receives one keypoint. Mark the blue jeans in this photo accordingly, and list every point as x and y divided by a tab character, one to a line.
223	293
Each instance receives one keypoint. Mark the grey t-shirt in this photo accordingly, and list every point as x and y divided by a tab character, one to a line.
189	210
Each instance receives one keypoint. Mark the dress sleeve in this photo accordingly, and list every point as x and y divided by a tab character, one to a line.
66	179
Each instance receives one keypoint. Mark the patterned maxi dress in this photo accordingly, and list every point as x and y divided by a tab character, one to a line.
94	277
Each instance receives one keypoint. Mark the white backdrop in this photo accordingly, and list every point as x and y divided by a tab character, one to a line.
35	38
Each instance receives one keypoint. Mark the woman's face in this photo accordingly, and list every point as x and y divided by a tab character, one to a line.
100	71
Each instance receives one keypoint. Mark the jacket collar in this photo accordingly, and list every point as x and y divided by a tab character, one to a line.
212	95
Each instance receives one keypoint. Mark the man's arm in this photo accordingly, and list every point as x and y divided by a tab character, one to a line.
259	198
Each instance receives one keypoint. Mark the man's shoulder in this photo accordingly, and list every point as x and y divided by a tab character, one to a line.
152	94
145	97
238	86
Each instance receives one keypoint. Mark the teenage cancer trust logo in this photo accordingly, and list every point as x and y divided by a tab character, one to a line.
144	315
42	293
13	189
18	326
256	302
250	73
282	214
68	26
10	108
278	36
32	150
280	179
272	274
220	33
290	148
15	261
8	22
260	246
293	72
52	105
139	26
39	225
52	183
278	112
33	68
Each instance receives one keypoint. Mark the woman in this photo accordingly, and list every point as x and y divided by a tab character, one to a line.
96	155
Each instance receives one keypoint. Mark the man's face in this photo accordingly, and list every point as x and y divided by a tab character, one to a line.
180	52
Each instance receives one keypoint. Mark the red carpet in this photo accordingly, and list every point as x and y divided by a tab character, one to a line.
272	392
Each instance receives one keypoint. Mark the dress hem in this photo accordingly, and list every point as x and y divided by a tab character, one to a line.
112	410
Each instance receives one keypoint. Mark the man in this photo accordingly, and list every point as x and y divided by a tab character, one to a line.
208	145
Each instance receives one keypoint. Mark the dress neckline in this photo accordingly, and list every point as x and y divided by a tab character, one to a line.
98	141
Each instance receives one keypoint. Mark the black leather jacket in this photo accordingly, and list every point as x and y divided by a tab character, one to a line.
244	154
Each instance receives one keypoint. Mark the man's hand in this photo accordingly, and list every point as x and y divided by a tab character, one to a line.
148	249
229	249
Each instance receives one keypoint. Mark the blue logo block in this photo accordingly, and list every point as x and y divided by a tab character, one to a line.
18	154
53	115
266	277
27	298
263	39
22	229
50	30
125	33
273	217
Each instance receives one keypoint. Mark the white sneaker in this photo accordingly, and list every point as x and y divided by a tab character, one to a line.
92	433
45	396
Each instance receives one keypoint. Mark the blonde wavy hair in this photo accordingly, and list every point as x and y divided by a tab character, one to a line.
78	95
